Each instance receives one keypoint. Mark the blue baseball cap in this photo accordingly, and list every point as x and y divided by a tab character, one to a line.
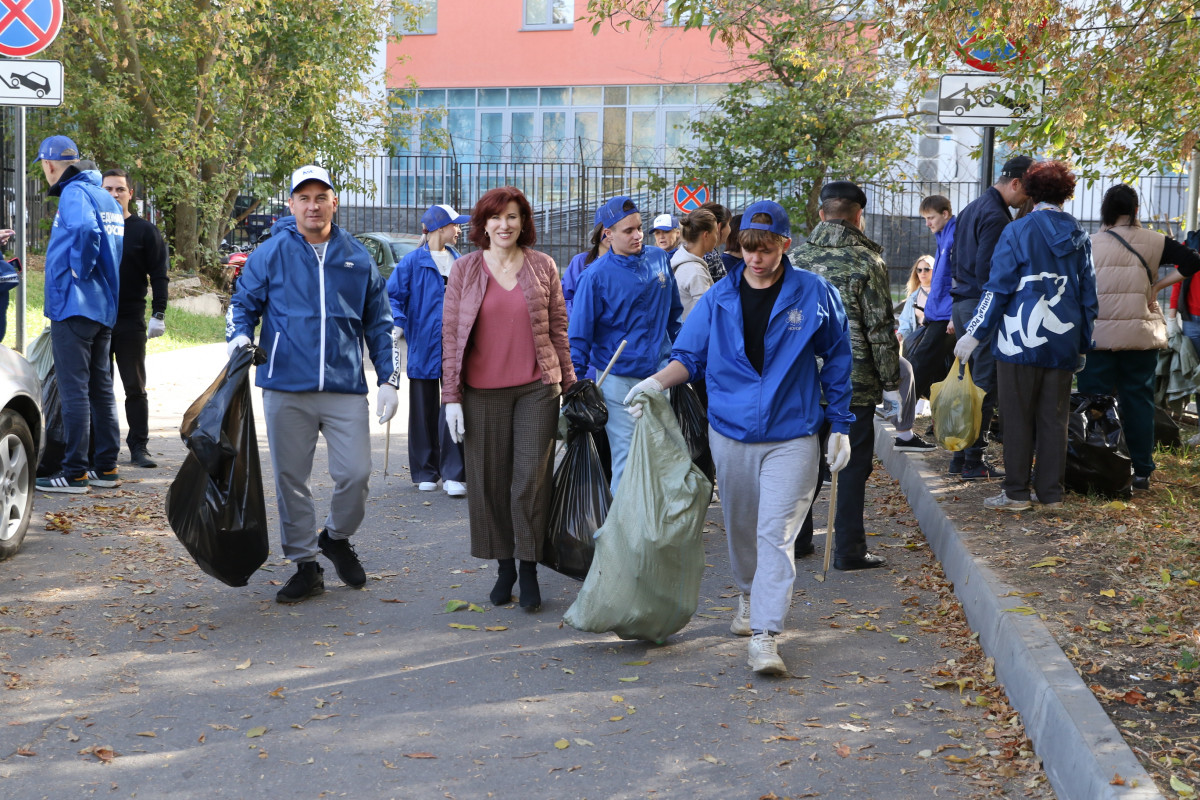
440	216
779	223
57	148
613	211
664	222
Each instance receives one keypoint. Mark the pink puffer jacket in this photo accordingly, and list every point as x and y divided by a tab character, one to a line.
539	282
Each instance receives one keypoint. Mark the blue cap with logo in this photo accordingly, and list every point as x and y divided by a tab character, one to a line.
440	216
613	211
664	222
310	172
57	148
779	223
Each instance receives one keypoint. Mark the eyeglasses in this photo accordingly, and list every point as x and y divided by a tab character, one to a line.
924	269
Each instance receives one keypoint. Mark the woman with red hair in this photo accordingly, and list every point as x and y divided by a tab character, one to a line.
505	361
1040	299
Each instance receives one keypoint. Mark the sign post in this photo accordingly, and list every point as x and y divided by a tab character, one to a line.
26	27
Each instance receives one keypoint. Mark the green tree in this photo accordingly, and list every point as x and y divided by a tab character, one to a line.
817	96
195	97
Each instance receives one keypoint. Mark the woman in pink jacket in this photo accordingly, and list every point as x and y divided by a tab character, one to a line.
505	362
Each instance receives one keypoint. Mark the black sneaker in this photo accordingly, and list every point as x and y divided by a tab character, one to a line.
981	471
956	465
1141	483
344	559
914	445
140	457
309	581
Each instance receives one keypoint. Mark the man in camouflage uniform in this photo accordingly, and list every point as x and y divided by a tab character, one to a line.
838	250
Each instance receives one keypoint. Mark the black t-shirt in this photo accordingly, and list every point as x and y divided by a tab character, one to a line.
757	305
144	260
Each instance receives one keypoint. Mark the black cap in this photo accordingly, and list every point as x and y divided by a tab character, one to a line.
1015	167
843	190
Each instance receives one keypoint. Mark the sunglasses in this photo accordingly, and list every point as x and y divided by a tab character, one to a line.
924	269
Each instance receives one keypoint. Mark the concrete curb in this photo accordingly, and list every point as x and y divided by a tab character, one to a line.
1080	747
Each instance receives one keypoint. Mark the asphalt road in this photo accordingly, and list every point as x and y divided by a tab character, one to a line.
129	673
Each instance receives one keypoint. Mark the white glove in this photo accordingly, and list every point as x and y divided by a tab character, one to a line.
235	344
397	334
454	421
891	405
386	403
647	385
965	347
837	451
1172	326
156	328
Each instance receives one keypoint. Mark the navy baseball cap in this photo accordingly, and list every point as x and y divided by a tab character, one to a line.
1016	167
664	222
844	190
779	223
57	148
440	216
612	211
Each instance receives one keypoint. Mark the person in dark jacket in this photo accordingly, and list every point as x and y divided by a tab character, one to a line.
144	260
82	278
416	289
1040	302
319	297
975	235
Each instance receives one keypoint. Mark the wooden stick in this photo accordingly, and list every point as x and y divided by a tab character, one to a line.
829	528
387	446
611	362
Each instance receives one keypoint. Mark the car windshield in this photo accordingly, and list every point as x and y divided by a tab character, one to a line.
401	249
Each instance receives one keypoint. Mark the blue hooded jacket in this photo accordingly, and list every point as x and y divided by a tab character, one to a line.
634	298
315	317
784	402
83	258
1041	297
417	290
939	304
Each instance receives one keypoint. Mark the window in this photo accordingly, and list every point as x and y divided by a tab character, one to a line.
424	21
543	14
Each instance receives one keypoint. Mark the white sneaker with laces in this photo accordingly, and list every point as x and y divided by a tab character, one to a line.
741	621
455	488
427	486
764	655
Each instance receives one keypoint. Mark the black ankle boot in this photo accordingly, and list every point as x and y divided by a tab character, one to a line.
531	594
502	591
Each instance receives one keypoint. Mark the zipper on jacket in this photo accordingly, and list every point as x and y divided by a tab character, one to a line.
274	347
321	277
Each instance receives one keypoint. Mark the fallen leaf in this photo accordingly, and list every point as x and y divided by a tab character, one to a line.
186	631
842	750
148	734
1052	561
1182	788
635	663
584	743
475	608
496	628
254	733
1108	592
1117	780
419	755
562	744
455	605
1024	610
925	754
616	698
711	759
277	692
628	680
244	665
25	751
464	627
848	727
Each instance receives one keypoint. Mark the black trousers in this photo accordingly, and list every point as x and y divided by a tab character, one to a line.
1034	404
931	356
431	453
129	352
850	535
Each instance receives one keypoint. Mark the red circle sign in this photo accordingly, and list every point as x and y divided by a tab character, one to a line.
28	26
687	198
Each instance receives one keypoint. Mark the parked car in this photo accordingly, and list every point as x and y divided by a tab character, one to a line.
21	437
388	248
39	83
251	226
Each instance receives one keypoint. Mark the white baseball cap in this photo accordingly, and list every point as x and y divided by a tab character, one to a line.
664	222
310	172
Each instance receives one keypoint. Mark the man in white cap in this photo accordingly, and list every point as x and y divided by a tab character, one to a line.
666	233
319	297
416	289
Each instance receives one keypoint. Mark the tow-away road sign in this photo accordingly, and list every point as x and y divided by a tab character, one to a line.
985	100
30	83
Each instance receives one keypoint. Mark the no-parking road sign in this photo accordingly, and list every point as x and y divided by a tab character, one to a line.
28	26
687	198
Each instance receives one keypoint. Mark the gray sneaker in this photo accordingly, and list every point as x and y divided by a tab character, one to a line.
764	655
741	621
1002	502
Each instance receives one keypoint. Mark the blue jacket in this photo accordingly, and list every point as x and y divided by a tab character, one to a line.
975	237
939	303
807	323
570	278
83	258
634	298
1041	297
314	318
416	290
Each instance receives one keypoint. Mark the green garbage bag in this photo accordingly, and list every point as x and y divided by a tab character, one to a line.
644	582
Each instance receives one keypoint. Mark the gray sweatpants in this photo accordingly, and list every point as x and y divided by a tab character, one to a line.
766	489
293	421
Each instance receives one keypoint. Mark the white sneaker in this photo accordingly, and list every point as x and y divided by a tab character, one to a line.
764	655
741	621
455	488
427	486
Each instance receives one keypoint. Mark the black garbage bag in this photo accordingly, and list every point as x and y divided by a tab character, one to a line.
693	424
1166	429
56	437
581	496
216	505
1097	456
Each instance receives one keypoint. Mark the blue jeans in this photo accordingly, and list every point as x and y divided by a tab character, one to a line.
620	423
85	387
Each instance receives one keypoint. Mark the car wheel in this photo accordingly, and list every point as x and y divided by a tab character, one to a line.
16	83
17	467
41	93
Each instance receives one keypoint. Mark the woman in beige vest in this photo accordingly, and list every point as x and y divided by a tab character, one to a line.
1130	329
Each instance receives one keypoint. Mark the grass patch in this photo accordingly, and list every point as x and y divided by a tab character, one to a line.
184	329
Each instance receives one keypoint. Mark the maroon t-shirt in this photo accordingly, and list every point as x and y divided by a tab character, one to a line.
501	352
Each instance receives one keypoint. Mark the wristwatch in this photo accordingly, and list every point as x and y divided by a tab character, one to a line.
159	316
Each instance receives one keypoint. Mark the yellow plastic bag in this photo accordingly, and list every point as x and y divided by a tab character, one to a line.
957	407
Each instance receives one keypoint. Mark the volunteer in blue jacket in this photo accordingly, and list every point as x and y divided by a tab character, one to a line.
1040	302
930	355
319	297
416	289
629	294
756	338
83	262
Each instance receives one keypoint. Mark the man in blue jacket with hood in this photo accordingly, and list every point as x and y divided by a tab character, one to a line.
629	294
416	289
319	297
755	337
83	261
